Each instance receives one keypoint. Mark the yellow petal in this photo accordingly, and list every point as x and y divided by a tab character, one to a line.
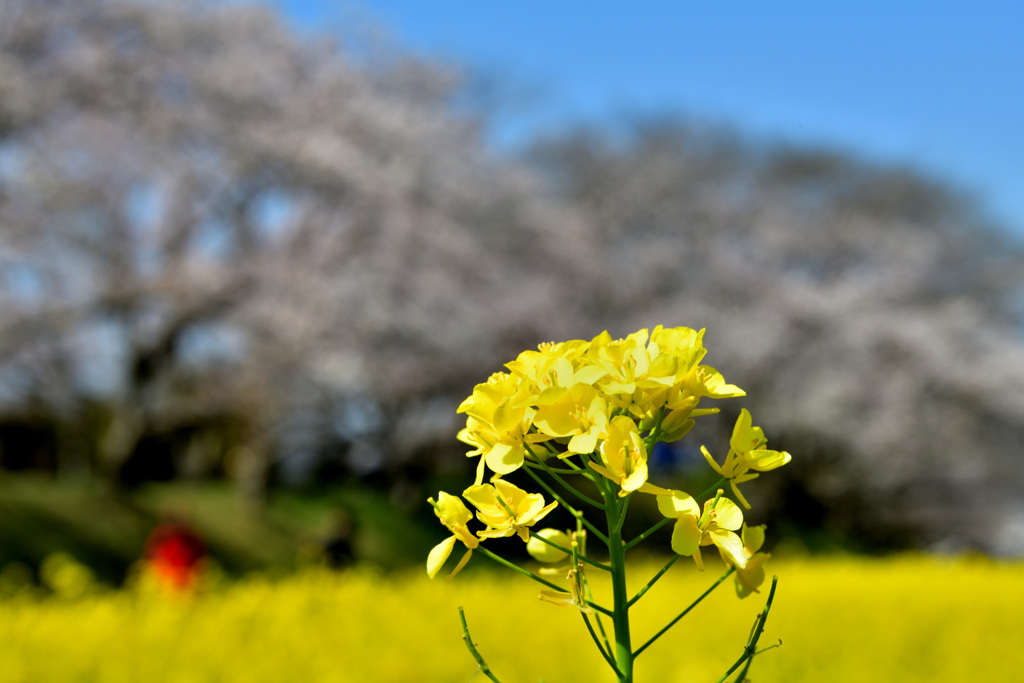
481	496
496	532
516	495
739	496
764	460
711	461
635	479
479	471
583	443
727	515
438	555
698	560
749	579
654	490
686	536
745	436
712	384
461	564
544	511
451	510
603	471
730	545
678	504
753	537
563	600
503	458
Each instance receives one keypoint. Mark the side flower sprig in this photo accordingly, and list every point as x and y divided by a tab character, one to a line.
594	411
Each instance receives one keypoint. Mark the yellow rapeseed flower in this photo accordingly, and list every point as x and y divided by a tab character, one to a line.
498	425
633	368
580	413
747	451
454	514
749	578
624	455
721	518
552	370
506	509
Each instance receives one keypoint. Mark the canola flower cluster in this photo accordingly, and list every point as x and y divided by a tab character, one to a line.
599	407
595	410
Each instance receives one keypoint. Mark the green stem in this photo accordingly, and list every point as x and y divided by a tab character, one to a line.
751	648
620	600
486	670
682	614
647	586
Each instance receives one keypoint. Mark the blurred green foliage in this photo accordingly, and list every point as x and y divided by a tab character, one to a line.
40	516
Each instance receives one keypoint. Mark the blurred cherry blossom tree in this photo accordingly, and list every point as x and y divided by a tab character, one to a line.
214	226
204	214
872	311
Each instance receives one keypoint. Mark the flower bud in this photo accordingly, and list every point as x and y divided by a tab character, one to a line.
542	552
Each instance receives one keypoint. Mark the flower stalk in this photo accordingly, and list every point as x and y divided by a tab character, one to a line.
484	669
620	600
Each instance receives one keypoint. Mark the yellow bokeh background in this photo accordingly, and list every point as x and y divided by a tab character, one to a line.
910	618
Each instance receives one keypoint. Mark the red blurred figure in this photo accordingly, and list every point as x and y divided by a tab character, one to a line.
175	553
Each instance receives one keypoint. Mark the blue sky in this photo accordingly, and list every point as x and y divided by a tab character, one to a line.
936	84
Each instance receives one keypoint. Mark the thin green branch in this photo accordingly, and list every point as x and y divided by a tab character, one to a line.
712	489
647	533
603	610
647	586
551	492
552	452
682	614
516	568
547	446
622	514
576	468
561	501
581	551
569	487
597	617
751	648
600	648
486	670
742	675
568	551
541	466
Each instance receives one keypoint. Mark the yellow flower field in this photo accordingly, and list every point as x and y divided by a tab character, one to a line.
904	619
